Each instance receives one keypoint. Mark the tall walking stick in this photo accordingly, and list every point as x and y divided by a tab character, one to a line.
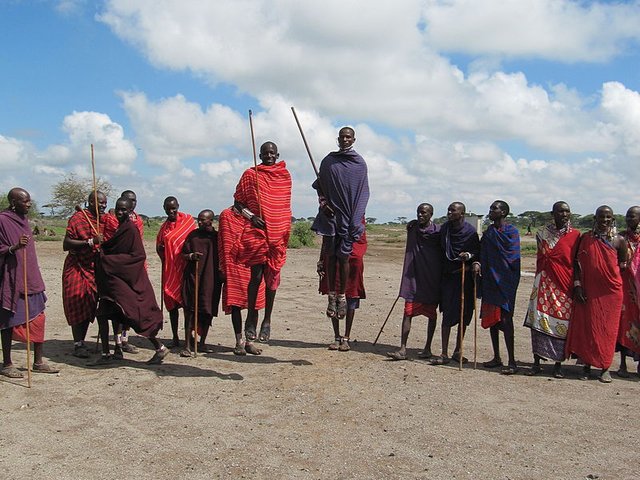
461	326
195	314
255	164
26	314
95	188
475	321
313	164
385	320
95	202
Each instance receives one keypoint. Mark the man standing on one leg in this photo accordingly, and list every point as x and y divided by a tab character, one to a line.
602	253
461	244
236	278
421	277
499	267
263	195
551	303
629	334
126	294
79	291
15	237
200	249
169	242
343	194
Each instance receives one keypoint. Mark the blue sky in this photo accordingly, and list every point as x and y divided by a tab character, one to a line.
530	101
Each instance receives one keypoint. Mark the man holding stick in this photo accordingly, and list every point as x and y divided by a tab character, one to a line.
79	291
499	268
16	247
200	250
263	195
169	242
343	193
461	244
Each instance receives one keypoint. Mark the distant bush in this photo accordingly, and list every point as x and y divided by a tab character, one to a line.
301	235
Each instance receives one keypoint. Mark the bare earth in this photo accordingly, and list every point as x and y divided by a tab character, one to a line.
301	411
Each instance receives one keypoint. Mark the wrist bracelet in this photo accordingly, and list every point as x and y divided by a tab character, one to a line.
10	250
577	283
90	242
246	213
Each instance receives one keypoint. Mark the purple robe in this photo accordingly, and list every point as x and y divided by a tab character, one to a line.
343	181
422	270
209	284
12	226
454	240
124	288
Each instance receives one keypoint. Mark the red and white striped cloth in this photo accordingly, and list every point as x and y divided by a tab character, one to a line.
172	235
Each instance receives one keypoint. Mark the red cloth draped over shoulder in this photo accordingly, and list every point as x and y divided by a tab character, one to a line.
594	326
79	291
109	224
274	206
629	333
355	281
172	235
123	280
236	276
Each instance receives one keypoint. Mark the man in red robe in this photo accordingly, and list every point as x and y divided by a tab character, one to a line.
263	195
593	330
629	334
235	277
79	292
169	242
551	301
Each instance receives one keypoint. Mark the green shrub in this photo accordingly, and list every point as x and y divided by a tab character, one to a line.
301	235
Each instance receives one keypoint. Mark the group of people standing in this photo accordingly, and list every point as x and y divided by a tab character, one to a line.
584	301
105	272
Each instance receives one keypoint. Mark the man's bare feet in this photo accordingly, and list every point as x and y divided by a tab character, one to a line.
252	349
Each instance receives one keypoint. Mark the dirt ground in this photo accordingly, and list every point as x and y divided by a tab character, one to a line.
301	411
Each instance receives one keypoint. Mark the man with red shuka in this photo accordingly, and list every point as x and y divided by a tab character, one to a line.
169	242
263	196
235	277
79	292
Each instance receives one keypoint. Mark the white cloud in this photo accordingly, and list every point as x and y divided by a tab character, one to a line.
562	30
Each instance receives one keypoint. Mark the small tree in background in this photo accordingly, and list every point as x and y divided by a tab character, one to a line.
72	191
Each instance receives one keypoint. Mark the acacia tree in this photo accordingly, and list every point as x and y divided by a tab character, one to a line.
73	190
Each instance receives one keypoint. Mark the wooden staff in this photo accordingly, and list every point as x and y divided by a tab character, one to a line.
313	164
195	314
306	145
95	189
80	209
398	297
475	321
255	164
26	314
385	321
461	326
